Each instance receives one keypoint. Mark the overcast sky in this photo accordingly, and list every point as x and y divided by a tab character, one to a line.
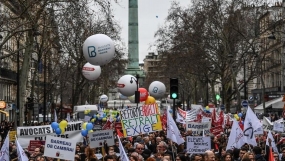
152	14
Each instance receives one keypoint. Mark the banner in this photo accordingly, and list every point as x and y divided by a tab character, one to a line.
140	120
197	128
60	148
198	144
27	133
97	138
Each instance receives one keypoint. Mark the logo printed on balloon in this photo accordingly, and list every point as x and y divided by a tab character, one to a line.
98	49
91	51
154	90
157	89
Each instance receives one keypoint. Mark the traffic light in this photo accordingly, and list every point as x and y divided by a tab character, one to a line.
173	88
30	103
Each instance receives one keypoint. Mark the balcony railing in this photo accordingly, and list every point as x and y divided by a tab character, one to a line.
8	74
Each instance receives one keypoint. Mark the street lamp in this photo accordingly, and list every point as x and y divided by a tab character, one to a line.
137	92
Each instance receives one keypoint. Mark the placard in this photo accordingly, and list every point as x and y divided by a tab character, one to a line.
197	128
97	138
27	133
278	127
198	144
12	135
35	144
60	148
140	120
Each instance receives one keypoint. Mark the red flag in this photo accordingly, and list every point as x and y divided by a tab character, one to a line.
107	125
119	133
271	157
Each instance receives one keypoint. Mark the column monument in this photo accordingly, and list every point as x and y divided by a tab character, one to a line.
133	52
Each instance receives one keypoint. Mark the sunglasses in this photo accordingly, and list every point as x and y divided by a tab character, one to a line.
140	148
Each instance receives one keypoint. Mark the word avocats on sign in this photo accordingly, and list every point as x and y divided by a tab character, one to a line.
43	130
35	131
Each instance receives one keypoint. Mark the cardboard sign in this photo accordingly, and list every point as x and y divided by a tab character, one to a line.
197	128
198	144
60	148
97	138
140	120
27	133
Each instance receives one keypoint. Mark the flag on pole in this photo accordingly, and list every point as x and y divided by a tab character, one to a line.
271	157
21	153
119	133
123	155
236	137
173	132
273	144
55	116
4	155
251	123
180	119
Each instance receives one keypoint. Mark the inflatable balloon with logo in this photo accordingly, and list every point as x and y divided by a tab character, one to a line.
91	72
157	89
127	85
103	98
143	94
98	49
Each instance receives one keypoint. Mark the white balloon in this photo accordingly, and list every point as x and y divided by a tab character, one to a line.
122	97
127	85
91	72
132	99
157	89
98	49
169	100
103	98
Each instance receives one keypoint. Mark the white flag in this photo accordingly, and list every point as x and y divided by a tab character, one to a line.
251	123
180	119
173	132
21	153
55	116
236	137
273	144
123	155
68	117
4	155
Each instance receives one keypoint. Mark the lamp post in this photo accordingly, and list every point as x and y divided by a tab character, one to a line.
18	83
137	92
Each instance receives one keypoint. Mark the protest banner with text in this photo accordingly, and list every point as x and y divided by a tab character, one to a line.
97	138
27	133
140	120
60	148
197	128
198	144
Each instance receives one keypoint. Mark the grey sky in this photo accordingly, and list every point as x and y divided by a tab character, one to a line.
152	14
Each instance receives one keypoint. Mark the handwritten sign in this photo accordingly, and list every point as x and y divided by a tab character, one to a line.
140	120
198	144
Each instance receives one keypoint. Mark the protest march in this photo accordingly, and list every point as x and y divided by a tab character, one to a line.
146	133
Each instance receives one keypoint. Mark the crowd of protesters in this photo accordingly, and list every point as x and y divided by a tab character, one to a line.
156	147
